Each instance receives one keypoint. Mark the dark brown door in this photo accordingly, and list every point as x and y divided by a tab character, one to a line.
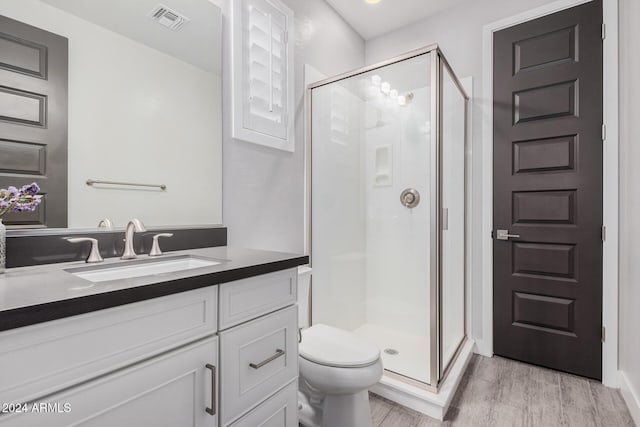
547	187
33	119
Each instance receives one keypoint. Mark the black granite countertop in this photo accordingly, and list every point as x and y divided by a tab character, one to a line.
30	295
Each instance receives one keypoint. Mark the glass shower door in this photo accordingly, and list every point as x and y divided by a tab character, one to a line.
373	207
452	252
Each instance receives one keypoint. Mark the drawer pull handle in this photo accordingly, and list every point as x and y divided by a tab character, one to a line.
279	353
212	411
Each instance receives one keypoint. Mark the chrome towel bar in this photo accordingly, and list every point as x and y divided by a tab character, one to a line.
92	182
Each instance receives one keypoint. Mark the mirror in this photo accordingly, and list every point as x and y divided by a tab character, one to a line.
144	107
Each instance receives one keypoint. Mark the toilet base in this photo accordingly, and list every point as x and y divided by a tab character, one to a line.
308	414
338	410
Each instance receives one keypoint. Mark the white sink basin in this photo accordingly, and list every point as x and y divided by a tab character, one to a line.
141	268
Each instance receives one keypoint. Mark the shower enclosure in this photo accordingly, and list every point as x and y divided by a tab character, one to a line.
388	211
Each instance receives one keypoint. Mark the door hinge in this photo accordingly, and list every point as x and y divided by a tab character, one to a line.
604	336
286	37
604	31
603	233
604	132
492	234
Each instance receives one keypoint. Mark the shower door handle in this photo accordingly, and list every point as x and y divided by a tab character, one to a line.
504	235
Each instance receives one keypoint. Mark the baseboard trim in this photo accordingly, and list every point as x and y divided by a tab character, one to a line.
481	349
631	397
426	402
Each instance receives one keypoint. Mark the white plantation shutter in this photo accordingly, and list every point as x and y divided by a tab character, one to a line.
262	73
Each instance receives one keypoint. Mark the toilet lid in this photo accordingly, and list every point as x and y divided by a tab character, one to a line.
331	346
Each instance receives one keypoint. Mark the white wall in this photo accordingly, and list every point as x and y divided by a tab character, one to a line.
264	188
629	335
137	115
458	31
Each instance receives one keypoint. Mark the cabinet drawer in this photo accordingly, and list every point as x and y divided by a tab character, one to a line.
40	359
247	299
258	357
280	410
174	389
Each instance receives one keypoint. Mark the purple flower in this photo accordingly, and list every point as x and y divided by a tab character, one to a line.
23	200
30	189
27	204
9	194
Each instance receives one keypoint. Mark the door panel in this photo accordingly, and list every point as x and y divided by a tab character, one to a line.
548	191
33	119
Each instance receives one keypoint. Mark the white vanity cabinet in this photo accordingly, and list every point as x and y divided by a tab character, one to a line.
259	350
222	355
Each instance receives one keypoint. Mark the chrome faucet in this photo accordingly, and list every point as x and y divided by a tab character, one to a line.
135	225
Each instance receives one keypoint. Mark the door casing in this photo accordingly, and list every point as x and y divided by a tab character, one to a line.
610	182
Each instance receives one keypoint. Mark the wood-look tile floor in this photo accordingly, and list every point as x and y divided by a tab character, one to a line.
496	392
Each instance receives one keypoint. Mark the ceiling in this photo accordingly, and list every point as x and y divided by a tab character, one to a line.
197	42
373	20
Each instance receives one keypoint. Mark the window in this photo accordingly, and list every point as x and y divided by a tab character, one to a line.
262	73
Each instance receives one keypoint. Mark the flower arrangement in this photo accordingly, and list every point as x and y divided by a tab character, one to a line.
25	199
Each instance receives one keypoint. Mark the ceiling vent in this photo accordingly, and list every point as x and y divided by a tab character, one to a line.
168	17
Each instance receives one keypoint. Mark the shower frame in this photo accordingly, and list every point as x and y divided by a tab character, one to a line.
438	63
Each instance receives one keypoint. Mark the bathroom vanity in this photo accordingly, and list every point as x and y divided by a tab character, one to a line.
207	346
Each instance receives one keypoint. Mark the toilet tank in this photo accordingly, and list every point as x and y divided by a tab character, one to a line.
304	296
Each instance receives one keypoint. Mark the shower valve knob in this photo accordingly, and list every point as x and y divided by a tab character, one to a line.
410	198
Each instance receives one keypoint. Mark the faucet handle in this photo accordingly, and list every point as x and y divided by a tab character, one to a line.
155	248
94	254
105	223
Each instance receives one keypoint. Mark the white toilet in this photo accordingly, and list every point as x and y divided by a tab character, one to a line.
336	369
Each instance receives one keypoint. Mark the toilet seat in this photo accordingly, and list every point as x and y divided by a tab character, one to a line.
329	346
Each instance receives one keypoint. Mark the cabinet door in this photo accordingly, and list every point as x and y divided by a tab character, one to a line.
280	410
174	389
81	348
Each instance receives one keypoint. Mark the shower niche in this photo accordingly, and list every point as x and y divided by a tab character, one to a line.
387	186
